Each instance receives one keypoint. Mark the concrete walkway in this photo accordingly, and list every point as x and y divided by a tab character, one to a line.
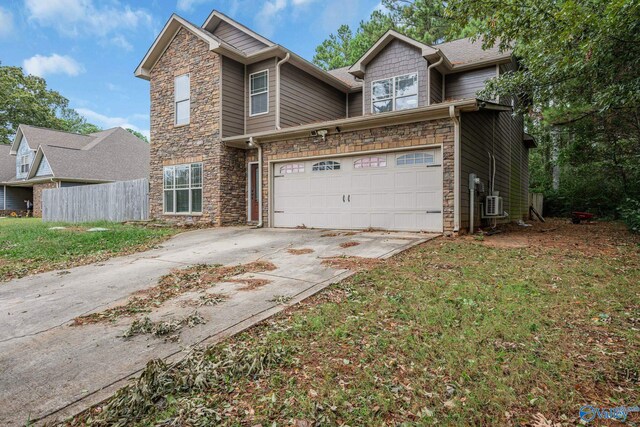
50	370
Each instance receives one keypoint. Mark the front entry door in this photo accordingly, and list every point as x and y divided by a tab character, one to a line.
253	192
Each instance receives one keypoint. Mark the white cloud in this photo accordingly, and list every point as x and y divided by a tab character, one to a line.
111	122
6	22
121	42
268	17
40	65
188	4
83	17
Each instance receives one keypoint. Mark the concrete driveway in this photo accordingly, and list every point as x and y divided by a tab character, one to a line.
50	370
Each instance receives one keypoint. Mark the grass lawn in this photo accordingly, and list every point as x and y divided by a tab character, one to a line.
28	246
521	328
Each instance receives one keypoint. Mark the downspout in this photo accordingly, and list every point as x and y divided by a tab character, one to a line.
253	142
285	60
435	64
456	168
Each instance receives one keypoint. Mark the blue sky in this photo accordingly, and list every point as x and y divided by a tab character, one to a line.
87	49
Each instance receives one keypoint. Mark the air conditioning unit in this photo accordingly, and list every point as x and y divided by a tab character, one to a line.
493	206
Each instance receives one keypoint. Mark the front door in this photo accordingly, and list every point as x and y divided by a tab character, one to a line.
253	192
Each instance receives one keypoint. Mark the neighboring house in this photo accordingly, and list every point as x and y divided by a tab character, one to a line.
246	131
41	158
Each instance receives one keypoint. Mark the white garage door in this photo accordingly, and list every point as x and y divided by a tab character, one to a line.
392	191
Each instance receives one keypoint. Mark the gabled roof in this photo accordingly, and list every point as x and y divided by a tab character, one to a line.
219	46
165	37
110	155
36	136
426	51
7	163
216	17
456	55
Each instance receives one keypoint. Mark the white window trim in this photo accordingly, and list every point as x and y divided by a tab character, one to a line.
393	91
190	188
175	101
260	93
26	163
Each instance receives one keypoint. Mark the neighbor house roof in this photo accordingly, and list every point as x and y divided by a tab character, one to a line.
110	155
7	163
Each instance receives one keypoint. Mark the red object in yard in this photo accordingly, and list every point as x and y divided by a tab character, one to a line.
576	217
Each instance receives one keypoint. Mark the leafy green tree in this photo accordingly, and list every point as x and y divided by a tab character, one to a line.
579	82
25	99
138	134
423	20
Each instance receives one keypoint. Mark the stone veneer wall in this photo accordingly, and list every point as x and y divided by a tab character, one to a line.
199	141
380	138
37	196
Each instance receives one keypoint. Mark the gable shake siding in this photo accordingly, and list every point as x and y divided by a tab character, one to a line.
262	122
305	99
396	59
237	38
355	104
232	97
466	84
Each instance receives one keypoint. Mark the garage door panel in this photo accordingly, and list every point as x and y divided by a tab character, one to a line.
390	197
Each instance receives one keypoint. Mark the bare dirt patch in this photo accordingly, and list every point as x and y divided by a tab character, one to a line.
176	283
302	251
353	263
599	238
349	244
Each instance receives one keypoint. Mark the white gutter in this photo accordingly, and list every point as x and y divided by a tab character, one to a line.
285	60
254	143
435	64
456	168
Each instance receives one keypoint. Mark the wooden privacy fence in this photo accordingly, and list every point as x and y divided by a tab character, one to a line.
117	201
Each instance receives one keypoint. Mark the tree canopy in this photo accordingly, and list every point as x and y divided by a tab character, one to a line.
423	20
25	99
138	134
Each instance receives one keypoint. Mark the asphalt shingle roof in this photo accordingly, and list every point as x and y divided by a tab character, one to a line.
110	155
344	75
465	51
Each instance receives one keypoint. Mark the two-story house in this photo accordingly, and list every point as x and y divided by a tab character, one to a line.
41	158
245	131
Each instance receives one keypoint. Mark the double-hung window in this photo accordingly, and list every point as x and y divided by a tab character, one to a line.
183	189
395	93
259	96
25	162
182	89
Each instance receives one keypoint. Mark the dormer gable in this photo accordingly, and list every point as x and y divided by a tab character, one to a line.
235	34
428	52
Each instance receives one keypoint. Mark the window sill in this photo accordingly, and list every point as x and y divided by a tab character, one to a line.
258	114
181	126
182	214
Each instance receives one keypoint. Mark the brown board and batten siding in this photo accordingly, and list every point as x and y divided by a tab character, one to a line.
305	99
436	86
262	122
355	104
500	134
466	84
232	97
396	59
237	38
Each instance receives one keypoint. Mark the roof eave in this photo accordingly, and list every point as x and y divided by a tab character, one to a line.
431	112
164	39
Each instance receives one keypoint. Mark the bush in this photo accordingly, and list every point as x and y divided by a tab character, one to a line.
630	213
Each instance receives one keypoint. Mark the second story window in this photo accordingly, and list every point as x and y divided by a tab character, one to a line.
25	162
395	93
182	99
259	94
